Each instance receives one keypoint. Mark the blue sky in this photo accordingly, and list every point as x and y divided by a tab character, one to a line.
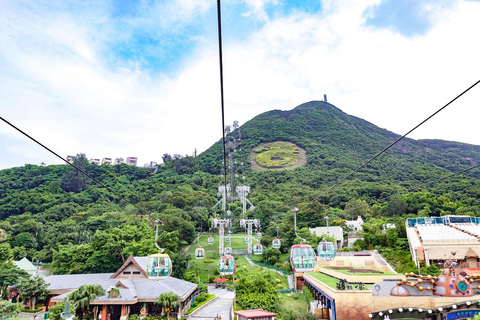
140	78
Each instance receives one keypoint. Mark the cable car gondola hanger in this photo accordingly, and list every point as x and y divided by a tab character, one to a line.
159	265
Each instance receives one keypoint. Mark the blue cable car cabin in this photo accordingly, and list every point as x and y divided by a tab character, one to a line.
199	253
159	266
276	243
227	251
326	250
226	265
210	240
302	258
257	249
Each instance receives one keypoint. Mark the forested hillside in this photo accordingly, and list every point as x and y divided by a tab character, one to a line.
57	216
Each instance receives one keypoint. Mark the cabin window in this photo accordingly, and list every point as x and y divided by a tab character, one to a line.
136	272
127	272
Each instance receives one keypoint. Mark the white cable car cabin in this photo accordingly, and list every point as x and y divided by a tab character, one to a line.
276	243
226	265
159	266
326	250
227	251
228	239
246	240
199	253
302	258
210	240
257	249
258	234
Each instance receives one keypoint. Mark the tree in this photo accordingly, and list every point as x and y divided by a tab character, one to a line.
10	275
73	180
9	309
168	301
270	255
56	310
257	289
83	296
33	288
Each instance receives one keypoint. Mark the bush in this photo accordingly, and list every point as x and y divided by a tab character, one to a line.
210	280
207	260
201	299
9	309
346	249
195	304
31	310
133	317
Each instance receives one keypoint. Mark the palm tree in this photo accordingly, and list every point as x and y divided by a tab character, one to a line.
85	294
168	301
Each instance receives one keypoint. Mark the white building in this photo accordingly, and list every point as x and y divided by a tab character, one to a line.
355	225
335	231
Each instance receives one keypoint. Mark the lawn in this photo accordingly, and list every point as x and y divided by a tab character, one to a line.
329	280
378	273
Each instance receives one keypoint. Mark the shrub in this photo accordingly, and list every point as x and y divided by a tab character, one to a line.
346	249
201	299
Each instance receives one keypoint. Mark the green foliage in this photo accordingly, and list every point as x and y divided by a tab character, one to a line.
10	275
270	256
83	296
9	309
257	289
56	310
308	295
168	301
33	288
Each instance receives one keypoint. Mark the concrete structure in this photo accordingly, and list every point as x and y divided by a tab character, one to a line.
118	161
136	292
95	161
355	225
438	238
107	161
335	231
131	161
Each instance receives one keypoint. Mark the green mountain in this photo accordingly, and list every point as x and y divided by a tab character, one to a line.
337	143
56	216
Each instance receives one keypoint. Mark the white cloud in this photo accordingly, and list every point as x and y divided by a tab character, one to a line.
57	86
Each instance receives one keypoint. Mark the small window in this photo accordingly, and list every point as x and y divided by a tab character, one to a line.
127	272
136	272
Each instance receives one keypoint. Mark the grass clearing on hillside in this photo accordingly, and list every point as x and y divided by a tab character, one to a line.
278	155
294	301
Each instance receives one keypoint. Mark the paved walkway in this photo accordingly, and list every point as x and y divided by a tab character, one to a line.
221	305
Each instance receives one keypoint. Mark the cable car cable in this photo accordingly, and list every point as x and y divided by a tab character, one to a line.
406	191
220	56
391	144
57	155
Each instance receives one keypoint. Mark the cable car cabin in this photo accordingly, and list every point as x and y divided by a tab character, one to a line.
326	250
159	266
227	251
226	265
257	249
246	240
276	243
228	239
302	258
199	253
259	234
210	240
